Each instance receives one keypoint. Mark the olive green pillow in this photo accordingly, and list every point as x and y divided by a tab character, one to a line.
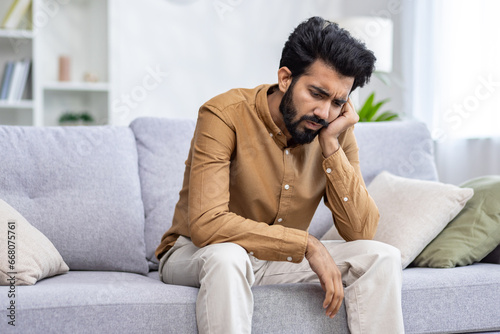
474	232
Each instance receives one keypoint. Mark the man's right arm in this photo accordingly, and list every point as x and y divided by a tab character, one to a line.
210	220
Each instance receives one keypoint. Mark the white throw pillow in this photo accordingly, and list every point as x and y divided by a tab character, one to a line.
412	212
26	255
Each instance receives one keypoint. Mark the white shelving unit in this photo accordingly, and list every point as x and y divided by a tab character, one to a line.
15	45
17	34
77	29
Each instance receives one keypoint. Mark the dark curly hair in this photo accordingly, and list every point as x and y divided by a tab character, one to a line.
318	38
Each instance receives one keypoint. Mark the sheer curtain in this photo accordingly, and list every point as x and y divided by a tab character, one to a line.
454	66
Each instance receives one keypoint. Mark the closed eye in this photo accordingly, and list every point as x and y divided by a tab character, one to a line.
339	102
316	95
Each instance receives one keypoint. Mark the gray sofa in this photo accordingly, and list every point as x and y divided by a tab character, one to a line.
105	195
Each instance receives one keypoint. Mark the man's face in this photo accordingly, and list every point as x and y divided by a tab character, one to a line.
313	101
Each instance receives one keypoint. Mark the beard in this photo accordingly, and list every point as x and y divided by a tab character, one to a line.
289	112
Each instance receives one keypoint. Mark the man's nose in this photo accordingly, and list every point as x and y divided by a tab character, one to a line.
322	111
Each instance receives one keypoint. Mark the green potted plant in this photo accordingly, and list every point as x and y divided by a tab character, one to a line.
369	111
71	118
86	118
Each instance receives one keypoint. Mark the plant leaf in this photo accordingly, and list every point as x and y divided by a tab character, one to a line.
366	107
386	116
369	111
375	109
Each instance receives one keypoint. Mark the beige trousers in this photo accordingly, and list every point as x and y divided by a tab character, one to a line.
225	273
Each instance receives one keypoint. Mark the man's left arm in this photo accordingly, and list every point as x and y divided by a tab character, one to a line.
354	211
355	214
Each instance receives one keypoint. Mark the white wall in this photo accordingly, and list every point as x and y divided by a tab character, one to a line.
210	46
200	48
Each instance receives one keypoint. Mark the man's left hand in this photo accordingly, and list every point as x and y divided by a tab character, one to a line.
328	136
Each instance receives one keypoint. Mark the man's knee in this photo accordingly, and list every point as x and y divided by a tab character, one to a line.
383	253
227	259
385	250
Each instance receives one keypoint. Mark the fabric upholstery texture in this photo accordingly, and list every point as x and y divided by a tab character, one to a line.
84	301
80	187
473	234
398	199
402	148
103	302
32	256
433	300
163	146
456	300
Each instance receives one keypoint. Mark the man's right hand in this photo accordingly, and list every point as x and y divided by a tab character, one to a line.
329	275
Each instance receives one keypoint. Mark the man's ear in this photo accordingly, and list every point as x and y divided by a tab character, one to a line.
284	79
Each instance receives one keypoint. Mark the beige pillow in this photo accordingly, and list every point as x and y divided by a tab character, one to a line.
412	212
26	255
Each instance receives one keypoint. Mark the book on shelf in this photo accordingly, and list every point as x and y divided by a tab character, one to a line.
15	14
26	67
6	79
15	79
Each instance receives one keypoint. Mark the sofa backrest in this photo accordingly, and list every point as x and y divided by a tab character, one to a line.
402	148
80	187
105	195
163	146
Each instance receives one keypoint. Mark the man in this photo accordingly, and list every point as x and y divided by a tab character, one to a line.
260	161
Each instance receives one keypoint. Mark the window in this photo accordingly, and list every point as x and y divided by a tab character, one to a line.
456	67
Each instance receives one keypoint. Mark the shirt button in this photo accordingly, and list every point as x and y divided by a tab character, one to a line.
289	258
271	134
287	186
345	199
279	133
280	220
328	170
287	152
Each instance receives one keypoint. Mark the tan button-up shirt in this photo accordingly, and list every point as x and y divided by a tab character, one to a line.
243	184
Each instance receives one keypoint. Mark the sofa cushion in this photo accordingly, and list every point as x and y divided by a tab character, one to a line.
403	148
80	187
434	301
103	302
116	302
454	300
473	234
163	147
30	256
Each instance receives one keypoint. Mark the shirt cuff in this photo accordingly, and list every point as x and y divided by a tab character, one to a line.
293	245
